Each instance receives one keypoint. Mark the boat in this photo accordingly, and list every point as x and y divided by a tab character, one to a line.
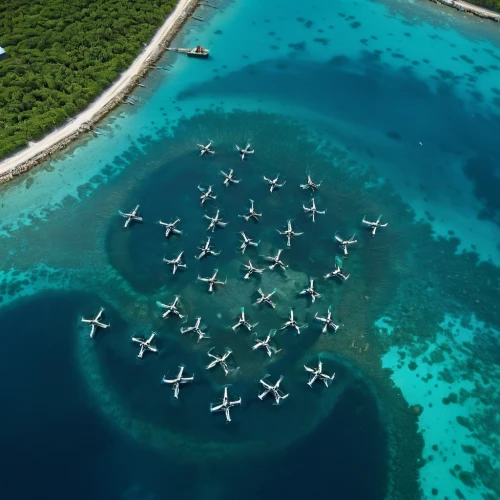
198	51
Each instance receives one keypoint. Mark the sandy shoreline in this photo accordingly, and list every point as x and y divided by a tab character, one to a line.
462	6
109	99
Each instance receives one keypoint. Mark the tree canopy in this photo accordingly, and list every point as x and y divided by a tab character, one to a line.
62	54
489	4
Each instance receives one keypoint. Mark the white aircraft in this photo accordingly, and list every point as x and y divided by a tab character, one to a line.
246	242
274	390
266	298
289	233
337	272
374	225
276	261
317	374
176	263
313	210
313	293
95	324
146	345
220	360
132	216
292	323
212	281
206	149
244	152
270	349
206	194
177	381
215	221
196	329
228	178
310	184
251	270
225	405
273	183
243	322
252	214
171	308
327	321
345	243
170	228
206	249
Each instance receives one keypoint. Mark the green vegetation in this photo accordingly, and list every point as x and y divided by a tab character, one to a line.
489	4
62	54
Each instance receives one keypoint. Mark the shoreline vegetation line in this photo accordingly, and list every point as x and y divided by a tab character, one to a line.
470	8
85	121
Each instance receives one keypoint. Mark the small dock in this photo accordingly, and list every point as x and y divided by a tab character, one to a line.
198	51
471	8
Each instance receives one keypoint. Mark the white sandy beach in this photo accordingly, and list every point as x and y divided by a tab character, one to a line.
89	114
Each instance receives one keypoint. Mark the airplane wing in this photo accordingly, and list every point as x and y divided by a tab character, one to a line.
310	370
338	238
216	408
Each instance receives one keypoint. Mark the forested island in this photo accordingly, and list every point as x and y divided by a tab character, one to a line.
61	55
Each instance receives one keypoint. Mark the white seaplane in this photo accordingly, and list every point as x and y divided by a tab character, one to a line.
244	152
337	272
276	260
206	149
212	281
176	263
251	214
215	221
247	242
196	329
206	249
274	390
177	381
266	299
242	321
311	291
266	344
345	243
225	405
328	322
171	228
317	374
146	344
292	323
171	308
273	183
229	178
250	270
312	210
289	233
206	194
95	323
374	225
132	216
310	184
220	360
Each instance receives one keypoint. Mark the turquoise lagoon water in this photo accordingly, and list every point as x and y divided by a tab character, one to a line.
395	107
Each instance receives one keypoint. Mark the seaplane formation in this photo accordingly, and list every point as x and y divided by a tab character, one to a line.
206	249
312	210
374	225
276	260
95	323
176	263
247	242
215	221
131	216
251	214
171	228
317	374
206	194
242	321
251	269
212	281
196	329
311	291
177	381
273	183
220	360
266	344
292	323
171	308
273	390
245	152
225	405
310	184
147	345
289	233
345	243
266	299
328	322
206	149
229	178
337	272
